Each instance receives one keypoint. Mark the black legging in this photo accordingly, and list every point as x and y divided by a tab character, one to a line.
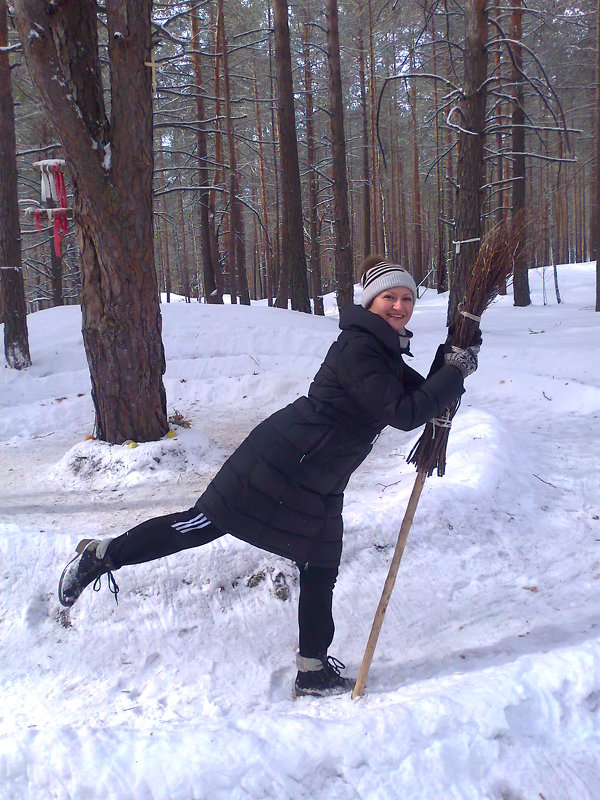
171	533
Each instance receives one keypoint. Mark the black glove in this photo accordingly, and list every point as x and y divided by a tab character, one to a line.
465	360
438	360
476	339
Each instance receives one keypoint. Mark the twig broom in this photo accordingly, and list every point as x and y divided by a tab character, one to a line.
492	266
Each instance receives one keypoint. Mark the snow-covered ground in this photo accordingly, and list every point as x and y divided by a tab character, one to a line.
486	680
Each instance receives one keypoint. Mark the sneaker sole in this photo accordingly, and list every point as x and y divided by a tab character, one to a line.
78	551
321	692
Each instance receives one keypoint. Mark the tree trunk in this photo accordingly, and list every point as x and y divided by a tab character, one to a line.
577	193
366	181
470	156
596	206
13	309
111	173
263	195
450	192
343	246
184	257
218	178
417	269
293	254
393	248
237	243
315	251
403	246
377	234
440	253
276	237
520	276
167	256
213	288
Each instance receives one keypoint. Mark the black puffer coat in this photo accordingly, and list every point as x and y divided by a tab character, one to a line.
282	489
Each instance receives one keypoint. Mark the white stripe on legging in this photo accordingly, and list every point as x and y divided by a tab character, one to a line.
193	524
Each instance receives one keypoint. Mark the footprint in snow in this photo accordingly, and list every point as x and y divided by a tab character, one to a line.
37	610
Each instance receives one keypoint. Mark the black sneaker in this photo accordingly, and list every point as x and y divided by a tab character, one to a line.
323	682
82	570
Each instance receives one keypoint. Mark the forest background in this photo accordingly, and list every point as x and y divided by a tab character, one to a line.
254	150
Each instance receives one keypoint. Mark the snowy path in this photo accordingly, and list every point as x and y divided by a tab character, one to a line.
486	680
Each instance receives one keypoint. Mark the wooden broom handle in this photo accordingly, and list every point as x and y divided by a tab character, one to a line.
388	586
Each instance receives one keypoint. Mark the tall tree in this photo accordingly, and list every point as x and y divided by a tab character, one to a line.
417	270
521	275
111	166
469	172
377	232
315	250
343	242
596	221
237	237
440	251
213	288
12	292
165	231
366	180
292	244
263	194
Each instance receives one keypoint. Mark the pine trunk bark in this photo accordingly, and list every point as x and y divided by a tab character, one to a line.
237	238
111	170
341	224
292	244
213	284
276	237
12	291
366	180
595	235
441	279
450	184
165	216
393	248
315	250
219	176
577	192
263	195
185	272
417	268
520	275
471	136
376	233
404	258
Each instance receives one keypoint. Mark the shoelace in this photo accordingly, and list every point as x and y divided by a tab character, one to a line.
334	665
113	586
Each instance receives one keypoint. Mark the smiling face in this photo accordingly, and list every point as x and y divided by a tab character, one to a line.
395	306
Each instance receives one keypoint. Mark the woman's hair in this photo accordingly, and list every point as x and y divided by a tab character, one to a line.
369	262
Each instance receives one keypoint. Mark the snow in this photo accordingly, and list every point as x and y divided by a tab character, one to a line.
49	163
486	678
107	160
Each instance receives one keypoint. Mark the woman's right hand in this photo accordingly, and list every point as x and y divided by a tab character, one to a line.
464	360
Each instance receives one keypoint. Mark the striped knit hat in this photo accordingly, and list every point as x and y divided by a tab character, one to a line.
384	276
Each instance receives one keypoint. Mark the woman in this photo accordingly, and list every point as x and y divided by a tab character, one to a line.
282	489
